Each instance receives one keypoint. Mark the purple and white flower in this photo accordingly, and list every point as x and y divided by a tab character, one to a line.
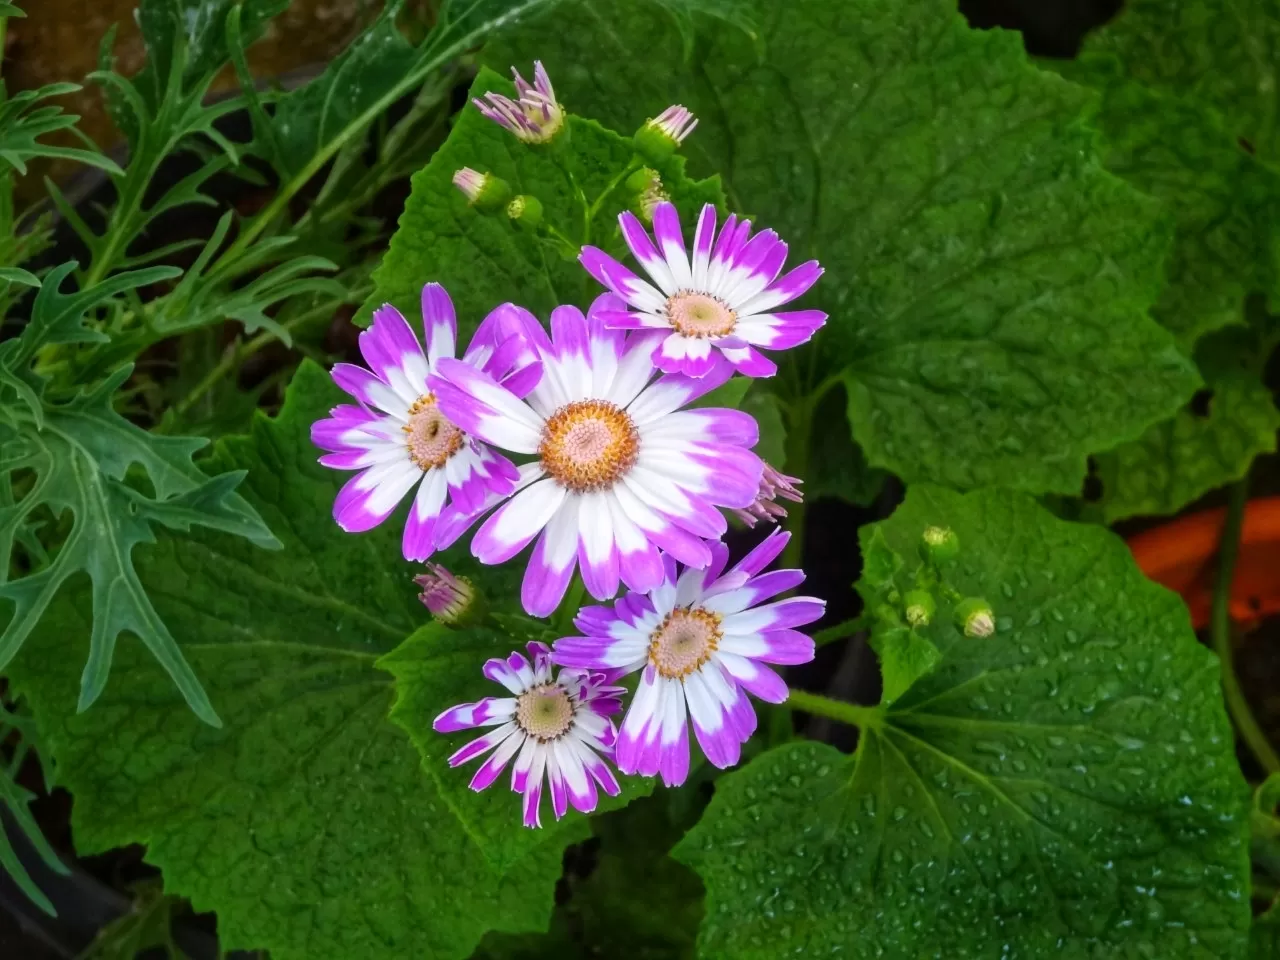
722	301
534	116
703	640
558	729
397	436
621	470
446	596
675	123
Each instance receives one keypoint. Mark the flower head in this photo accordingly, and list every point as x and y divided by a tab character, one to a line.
556	727
483	191
660	137
774	485
702	640
724	301
446	596
399	438
974	616
534	116
621	470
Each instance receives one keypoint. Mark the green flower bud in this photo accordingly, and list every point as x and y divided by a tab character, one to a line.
940	543
920	607
658	138
484	191
975	618
525	210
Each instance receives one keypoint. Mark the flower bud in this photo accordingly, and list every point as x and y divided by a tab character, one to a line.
940	543
658	138
449	598
484	191
920	607
975	618
525	210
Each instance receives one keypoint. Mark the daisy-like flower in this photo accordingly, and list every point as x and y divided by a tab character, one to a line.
558	728
398	438
703	639
534	116
621	470
723	301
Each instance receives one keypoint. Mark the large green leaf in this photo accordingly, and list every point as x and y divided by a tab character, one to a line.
486	260
1220	53
306	821
1210	442
1184	119
439	667
623	895
987	281
1066	786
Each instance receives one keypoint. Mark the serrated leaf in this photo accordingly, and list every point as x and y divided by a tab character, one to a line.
306	822
438	667
486	260
987	282
1179	460
1064	787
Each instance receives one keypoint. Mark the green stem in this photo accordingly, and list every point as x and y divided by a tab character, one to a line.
838	632
233	358
853	714
562	619
632	166
1220	632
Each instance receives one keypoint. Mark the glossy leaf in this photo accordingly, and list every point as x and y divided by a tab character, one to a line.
1064	787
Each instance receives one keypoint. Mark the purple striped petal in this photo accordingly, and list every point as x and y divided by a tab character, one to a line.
764	553
750	362
439	322
757	679
367	388
795	612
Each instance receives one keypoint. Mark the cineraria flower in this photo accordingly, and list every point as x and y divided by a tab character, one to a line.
559	725
726	300
534	117
773	485
398	438
702	640
621	470
483	191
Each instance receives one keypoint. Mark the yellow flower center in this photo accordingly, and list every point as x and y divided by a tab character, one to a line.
429	435
587	445
544	712
683	642
698	315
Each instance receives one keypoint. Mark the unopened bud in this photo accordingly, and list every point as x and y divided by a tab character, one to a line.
975	618
658	138
525	210
449	598
645	187
940	543
920	607
484	191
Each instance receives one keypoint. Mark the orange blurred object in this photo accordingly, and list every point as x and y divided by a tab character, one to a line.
1182	554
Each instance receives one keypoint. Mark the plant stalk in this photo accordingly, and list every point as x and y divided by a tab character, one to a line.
1220	632
854	714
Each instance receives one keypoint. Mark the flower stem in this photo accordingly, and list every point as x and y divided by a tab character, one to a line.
851	713
1220	632
838	632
